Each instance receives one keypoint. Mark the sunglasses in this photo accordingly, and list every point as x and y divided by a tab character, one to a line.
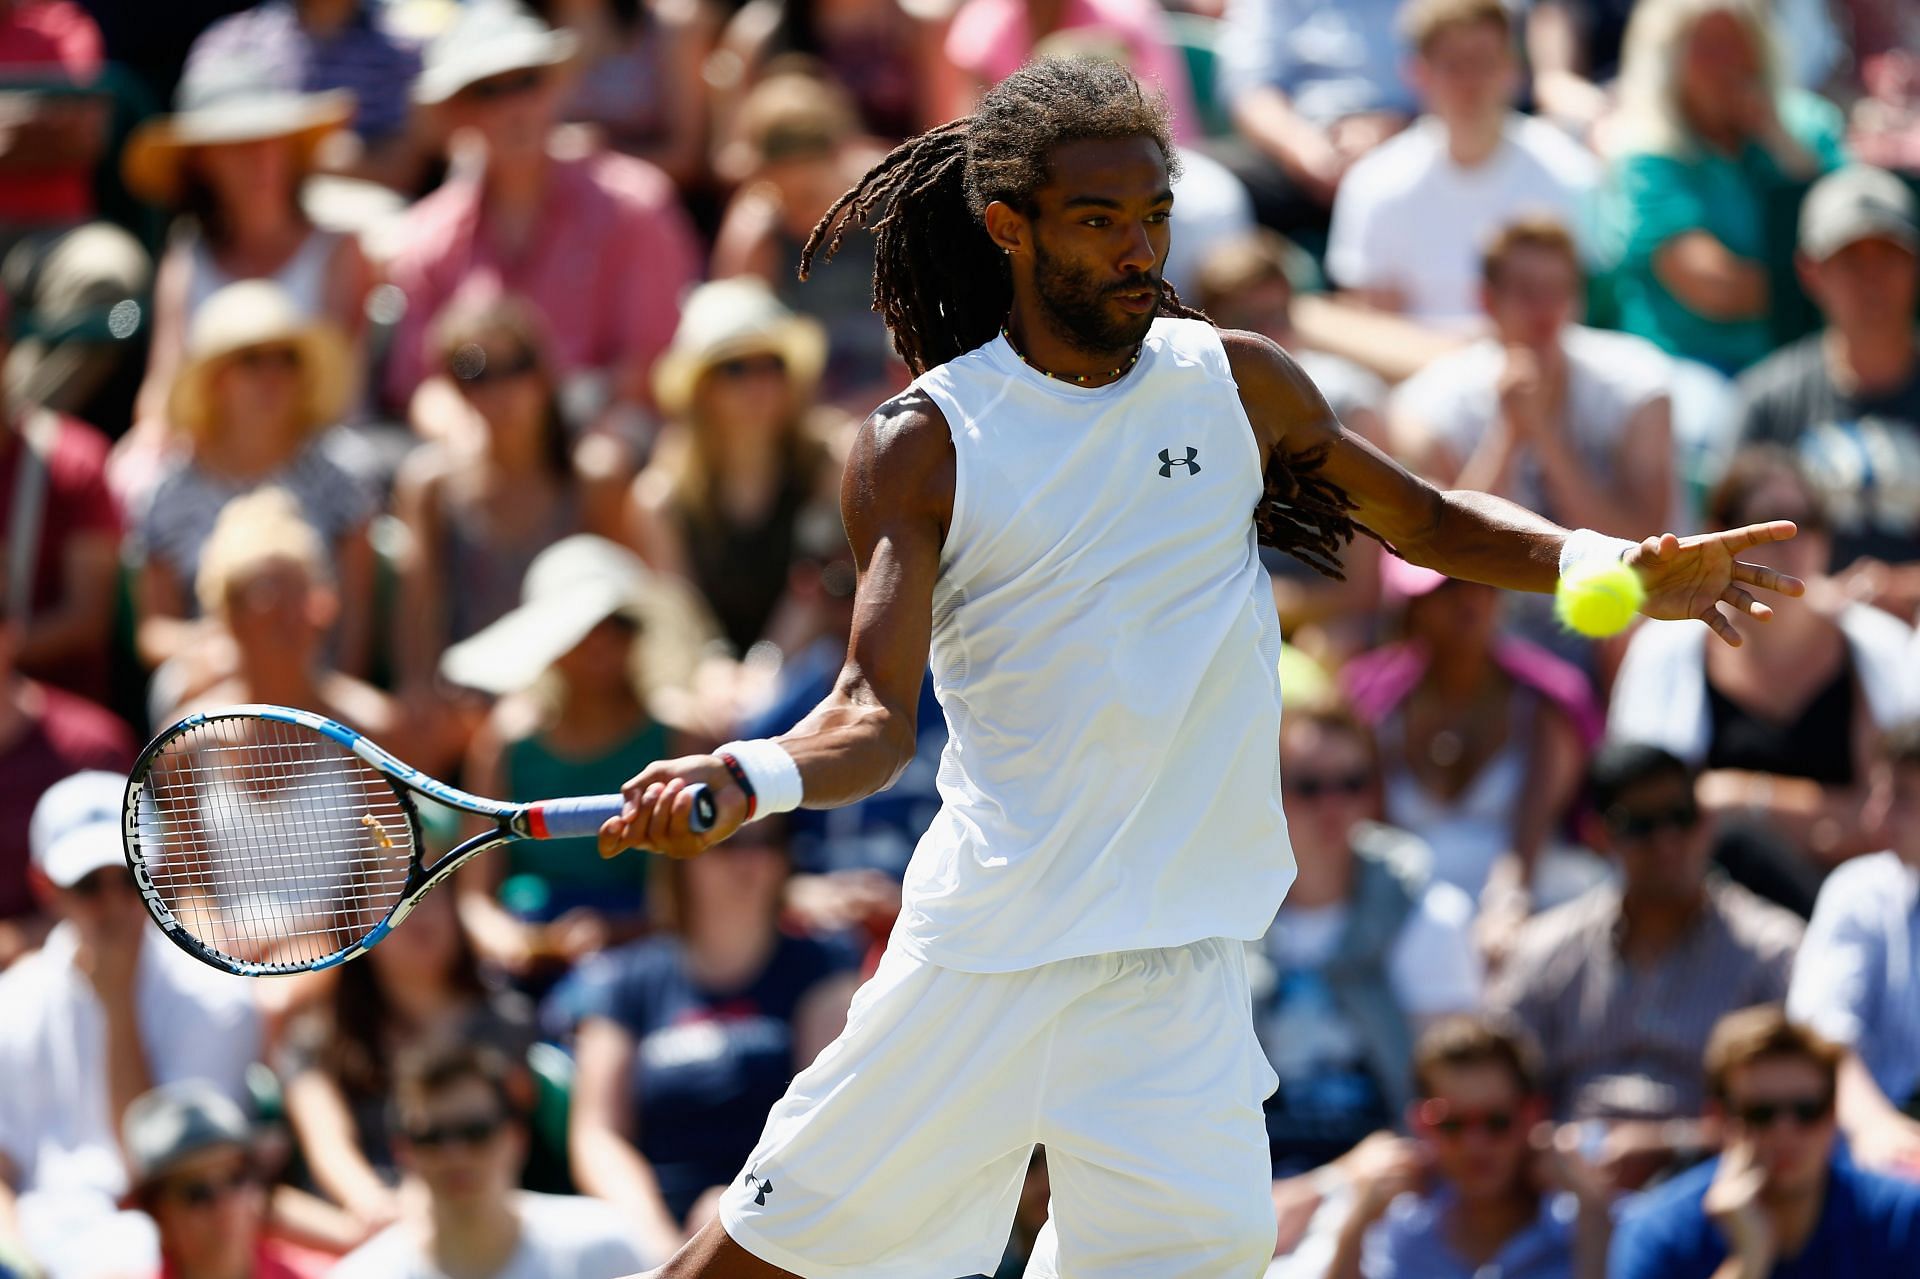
1437	1116
106	879
260	359
464	1132
1344	784
204	1193
499	88
471	367
1804	1111
751	366
1638	826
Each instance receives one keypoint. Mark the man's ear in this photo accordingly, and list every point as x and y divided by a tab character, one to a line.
1008	227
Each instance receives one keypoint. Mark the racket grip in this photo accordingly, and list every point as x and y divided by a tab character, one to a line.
582	817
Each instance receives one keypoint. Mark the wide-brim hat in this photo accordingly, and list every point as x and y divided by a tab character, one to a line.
253	313
725	320
222	101
488	38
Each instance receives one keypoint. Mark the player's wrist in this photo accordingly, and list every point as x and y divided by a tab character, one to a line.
1589	546
765	774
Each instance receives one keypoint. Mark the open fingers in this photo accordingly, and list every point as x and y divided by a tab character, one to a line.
1768	579
1716	619
1751	535
1744	602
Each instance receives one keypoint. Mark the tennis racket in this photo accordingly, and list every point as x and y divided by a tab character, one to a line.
267	840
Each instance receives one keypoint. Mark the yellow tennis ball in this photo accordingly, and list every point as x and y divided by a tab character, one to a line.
1598	598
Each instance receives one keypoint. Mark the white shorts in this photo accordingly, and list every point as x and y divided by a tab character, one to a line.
900	1153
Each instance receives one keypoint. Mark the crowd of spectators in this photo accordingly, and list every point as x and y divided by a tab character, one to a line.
442	366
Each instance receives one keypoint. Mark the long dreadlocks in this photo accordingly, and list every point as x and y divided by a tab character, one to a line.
943	287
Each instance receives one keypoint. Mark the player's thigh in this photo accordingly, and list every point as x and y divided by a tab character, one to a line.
900	1153
1156	1141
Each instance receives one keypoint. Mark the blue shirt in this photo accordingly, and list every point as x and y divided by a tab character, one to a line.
1332	58
362	56
1410	1242
1856	979
1869	1226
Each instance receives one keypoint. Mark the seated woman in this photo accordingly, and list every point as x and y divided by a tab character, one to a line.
686	1040
576	718
746	461
421	984
260	384
1786	725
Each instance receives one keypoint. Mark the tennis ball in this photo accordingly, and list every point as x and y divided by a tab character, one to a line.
1598	598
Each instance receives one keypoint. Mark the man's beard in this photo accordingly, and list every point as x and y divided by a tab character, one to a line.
1077	307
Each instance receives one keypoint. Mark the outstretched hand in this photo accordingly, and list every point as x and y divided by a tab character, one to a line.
1691	577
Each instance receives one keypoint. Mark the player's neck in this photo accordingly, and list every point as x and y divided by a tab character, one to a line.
1034	341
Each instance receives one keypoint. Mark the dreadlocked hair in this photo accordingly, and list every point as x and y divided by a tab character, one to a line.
943	287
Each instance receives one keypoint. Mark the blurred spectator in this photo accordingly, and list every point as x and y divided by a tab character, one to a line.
461	1138
1413	215
477	517
231	160
265	584
1573	54
259	385
62	547
1484	1191
194	1172
686	1040
313	46
575	719
1366	953
1708	135
1781	1202
1483	736
747	462
419	985
885	52
1783	725
1847	399
1886	54
1313	86
1855	981
639	77
1568	421
45	734
798	148
1620	987
597	241
105	1011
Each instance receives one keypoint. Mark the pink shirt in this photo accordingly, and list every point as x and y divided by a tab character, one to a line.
990	39
607	264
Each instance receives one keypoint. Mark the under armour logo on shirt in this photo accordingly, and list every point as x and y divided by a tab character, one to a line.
1168	462
760	1188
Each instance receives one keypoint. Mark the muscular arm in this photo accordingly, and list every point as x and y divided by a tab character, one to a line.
896	500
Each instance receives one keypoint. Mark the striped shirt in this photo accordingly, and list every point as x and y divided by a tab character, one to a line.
362	57
1624	1040
1857	980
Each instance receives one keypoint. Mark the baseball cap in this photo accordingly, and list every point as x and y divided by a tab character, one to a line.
1856	203
176	1121
75	828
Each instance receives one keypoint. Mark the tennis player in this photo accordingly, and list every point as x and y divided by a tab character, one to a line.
1062	510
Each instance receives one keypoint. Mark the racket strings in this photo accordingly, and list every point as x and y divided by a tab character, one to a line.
271	843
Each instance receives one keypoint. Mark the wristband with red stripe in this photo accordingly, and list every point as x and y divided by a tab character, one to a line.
739	776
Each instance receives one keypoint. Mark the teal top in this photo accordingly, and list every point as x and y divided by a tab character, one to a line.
1657	197
545	879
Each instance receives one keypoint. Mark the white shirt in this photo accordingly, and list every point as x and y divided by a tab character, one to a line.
195	1023
1432	965
1105	651
1408	218
561	1237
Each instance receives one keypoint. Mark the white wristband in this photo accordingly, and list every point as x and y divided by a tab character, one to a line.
1583	545
771	772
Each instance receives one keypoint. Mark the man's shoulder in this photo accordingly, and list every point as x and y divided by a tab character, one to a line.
1754	923
1549	148
628	181
1784	379
1670	1209
84	734
1398	166
1888	1208
1566	932
391	1254
1872	884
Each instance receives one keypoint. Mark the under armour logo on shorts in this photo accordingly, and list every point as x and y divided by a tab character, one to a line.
1168	462
761	1188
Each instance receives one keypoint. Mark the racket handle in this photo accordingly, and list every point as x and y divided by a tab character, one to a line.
582	817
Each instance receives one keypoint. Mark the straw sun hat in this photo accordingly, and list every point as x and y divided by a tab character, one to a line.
221	101
255	313
725	320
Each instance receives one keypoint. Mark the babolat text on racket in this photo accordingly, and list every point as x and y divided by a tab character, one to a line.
270	840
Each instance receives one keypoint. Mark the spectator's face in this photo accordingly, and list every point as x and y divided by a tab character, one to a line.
1534	298
260	387
429	951
1455	617
601	662
101	904
1467	73
1720	72
1328	784
1784	497
753	873
748	394
1783	1108
514	112
463	1145
277	607
1867	286
503	382
1661	838
1476	1125
209	1208
249	175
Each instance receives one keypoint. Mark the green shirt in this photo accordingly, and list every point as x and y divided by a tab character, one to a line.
1660	196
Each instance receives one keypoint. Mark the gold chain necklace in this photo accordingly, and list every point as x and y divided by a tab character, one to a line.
1063	377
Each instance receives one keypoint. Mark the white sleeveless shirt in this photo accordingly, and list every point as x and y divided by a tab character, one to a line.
1104	648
